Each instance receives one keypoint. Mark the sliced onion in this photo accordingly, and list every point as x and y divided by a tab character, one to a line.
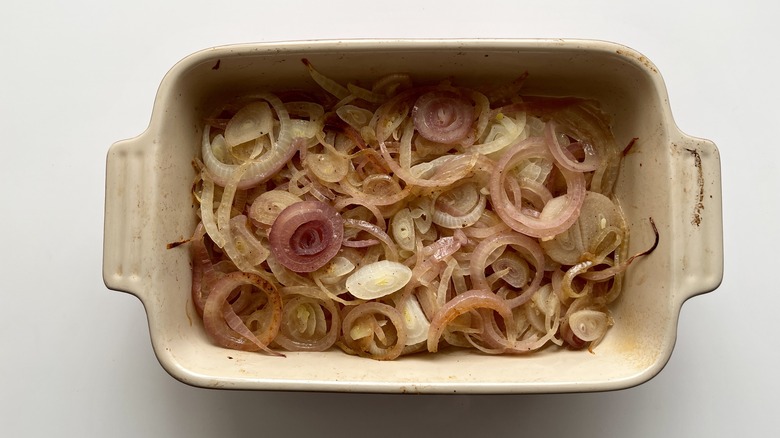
216	309
505	131
304	325
459	208
328	166
514	269
335	270
325	82
378	279
355	116
589	325
203	272
569	247
250	249
563	155
403	229
306	235
445	171
266	207
262	167
444	117
391	252
250	122
417	325
524	244
461	304
513	214
362	341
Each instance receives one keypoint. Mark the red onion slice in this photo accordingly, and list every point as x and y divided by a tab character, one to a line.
512	212
306	235
217	309
463	303
564	156
526	246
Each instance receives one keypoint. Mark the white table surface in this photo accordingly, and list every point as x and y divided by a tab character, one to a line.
75	357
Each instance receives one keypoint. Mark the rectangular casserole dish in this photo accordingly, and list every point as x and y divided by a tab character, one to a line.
669	176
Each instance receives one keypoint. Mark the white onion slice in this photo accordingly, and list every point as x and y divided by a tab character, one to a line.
378	279
250	122
328	166
417	325
354	116
589	325
403	228
266	207
264	166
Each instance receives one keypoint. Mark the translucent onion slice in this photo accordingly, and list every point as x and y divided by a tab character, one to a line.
234	334
203	272
444	117
512	212
589	325
558	144
417	325
391	251
464	303
403	229
335	270
571	246
304	326
443	171
361	321
328	167
378	279
325	82
504	131
524	245
250	248
459	208
354	116
252	121
515	269
266	207
262	167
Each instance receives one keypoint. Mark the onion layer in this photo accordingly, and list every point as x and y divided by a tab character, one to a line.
443	117
306	235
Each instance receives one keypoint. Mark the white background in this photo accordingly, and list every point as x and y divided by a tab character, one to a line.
75	357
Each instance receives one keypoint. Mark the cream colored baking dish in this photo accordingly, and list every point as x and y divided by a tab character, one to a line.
669	176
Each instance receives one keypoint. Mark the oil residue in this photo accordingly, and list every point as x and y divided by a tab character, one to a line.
696	220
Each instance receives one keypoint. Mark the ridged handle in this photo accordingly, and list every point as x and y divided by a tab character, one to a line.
127	215
700	218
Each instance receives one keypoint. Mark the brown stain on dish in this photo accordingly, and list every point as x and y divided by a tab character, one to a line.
697	209
216	66
642	59
175	244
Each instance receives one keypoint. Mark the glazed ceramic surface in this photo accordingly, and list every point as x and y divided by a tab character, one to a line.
667	175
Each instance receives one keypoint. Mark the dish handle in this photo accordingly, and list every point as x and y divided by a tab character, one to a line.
127	220
701	218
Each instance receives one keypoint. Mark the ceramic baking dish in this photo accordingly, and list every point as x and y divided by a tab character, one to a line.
669	176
